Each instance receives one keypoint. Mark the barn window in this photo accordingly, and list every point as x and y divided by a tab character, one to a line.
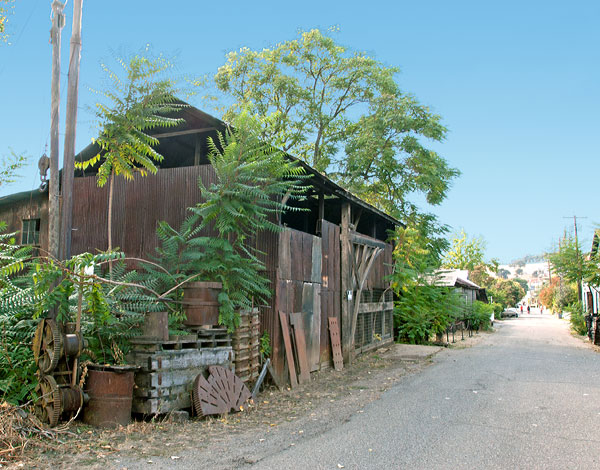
30	235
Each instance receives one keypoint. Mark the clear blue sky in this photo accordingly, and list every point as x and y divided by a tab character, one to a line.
516	82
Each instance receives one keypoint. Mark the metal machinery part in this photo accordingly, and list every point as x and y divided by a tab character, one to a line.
55	400
47	345
221	393
48	405
73	344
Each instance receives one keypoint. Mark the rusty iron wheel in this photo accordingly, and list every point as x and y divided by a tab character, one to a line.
47	345
48	405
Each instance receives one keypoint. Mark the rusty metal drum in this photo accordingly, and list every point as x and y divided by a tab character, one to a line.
110	395
201	303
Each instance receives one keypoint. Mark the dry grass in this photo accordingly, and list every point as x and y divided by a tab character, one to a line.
21	430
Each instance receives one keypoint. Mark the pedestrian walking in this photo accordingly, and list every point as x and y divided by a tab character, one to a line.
521	309
528	310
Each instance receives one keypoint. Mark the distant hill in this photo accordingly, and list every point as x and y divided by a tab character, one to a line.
527	260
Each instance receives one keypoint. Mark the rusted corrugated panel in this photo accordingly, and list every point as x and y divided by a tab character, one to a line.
307	245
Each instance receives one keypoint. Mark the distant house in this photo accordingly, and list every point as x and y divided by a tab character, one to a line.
459	279
591	294
333	259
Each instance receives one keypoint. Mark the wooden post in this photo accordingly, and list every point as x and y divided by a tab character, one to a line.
346	284
69	150
197	150
58	21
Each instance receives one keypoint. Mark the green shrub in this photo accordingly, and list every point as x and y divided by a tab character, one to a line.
480	314
578	324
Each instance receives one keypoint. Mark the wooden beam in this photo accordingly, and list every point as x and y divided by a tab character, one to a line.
185	132
346	281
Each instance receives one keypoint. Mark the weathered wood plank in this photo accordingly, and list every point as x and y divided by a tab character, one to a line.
368	307
285	263
334	331
297	323
154	406
307	258
296	252
167	378
285	329
317	254
346	279
190	358
312	324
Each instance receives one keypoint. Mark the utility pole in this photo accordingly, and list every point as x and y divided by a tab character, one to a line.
70	128
579	280
58	21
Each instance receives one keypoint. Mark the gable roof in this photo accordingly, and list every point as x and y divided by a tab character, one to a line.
454	278
200	124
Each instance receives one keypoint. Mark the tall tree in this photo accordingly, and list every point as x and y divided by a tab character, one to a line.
466	253
343	113
6	7
134	105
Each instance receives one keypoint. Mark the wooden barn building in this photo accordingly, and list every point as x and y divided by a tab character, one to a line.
331	260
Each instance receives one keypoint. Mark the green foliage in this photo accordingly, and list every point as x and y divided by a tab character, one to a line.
344	114
570	263
265	346
251	179
9	166
523	283
577	320
6	7
17	303
479	314
425	310
422	307
465	253
136	104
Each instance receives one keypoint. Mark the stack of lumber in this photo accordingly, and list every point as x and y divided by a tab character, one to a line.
168	369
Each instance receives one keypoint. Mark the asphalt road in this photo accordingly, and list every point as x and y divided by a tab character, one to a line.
525	398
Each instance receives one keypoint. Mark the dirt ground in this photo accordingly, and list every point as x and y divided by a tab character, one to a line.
275	421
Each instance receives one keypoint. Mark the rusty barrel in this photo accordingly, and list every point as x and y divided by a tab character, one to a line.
110	394
201	303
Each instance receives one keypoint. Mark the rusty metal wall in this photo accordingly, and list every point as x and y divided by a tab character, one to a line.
33	207
138	206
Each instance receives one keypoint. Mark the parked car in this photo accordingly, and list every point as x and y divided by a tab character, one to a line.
510	312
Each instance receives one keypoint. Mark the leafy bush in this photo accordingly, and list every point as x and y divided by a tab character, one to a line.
252	177
480	314
578	323
17	301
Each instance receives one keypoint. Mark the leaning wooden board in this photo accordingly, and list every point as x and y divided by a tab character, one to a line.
298	324
285	328
336	345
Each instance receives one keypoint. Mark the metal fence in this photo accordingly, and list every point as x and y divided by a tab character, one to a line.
375	321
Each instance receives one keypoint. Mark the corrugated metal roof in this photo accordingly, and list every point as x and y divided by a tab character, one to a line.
454	278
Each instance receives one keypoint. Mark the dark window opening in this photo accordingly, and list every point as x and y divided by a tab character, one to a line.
30	235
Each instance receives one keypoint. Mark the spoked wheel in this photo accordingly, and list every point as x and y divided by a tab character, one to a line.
48	405
47	345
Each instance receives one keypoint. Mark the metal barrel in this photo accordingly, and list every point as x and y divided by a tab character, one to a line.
201	303
110	394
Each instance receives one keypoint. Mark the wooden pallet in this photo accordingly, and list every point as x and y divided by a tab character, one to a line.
213	338
246	347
